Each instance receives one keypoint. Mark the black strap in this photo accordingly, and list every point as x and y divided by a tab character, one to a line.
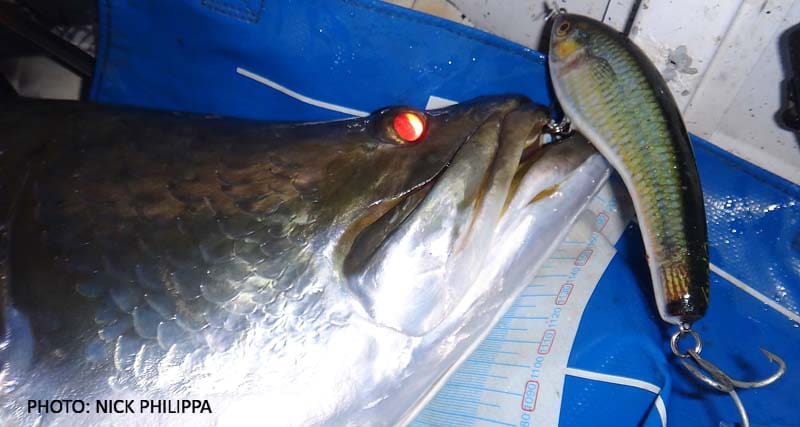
16	21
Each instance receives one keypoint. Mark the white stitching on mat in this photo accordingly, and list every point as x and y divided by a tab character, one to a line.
300	97
755	294
630	382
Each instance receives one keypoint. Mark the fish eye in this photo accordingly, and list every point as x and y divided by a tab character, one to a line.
403	126
563	29
409	126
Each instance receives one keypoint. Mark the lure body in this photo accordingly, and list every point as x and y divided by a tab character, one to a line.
615	96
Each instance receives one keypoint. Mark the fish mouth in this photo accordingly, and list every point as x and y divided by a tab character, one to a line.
423	250
519	121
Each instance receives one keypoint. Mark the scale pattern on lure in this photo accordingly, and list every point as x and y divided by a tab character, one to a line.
617	98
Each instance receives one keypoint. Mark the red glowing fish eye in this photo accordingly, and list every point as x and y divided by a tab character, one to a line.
409	126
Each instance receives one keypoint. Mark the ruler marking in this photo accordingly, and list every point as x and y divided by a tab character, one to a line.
528	317
512	329
468	373
488	362
461	406
514	341
493	405
474	417
455	401
469	386
496	351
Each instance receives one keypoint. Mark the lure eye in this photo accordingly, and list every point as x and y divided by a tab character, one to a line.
409	126
563	29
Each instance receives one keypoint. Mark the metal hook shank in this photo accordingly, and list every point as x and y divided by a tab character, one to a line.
723	382
718	380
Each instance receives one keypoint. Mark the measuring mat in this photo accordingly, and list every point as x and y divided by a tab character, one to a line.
516	376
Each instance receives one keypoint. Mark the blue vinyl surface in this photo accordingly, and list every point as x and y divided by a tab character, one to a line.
183	55
364	54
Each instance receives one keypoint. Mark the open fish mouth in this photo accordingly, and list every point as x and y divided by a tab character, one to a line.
426	250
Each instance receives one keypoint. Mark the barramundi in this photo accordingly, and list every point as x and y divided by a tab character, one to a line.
280	274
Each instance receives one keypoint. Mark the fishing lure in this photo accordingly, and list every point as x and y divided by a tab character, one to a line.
616	97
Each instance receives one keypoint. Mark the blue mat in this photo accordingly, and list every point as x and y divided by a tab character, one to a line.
207	55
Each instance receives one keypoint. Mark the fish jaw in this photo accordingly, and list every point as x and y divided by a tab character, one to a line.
524	239
423	269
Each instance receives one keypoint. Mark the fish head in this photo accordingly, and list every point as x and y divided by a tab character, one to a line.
361	168
411	262
569	38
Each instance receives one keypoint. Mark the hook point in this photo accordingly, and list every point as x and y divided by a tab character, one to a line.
772	357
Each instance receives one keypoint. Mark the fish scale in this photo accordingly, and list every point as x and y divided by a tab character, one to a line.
134	282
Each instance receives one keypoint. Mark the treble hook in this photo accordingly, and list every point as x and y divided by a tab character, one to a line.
718	379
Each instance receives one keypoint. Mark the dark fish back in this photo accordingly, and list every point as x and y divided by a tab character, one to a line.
146	239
